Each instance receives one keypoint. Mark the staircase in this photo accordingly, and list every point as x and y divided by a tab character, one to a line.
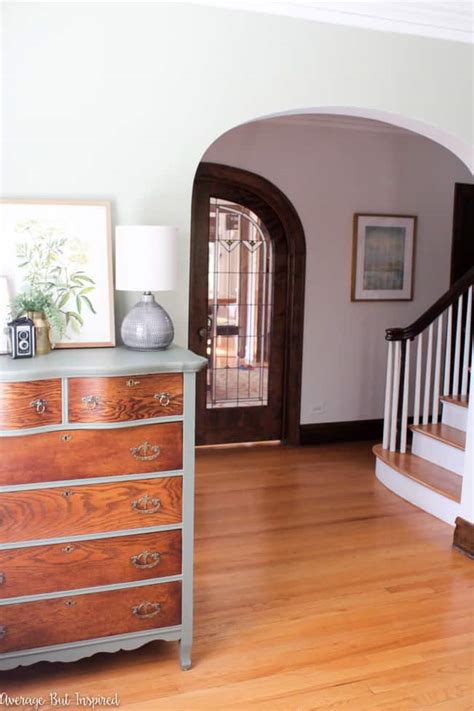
422	456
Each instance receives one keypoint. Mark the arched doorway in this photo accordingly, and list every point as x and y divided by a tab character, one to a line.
246	307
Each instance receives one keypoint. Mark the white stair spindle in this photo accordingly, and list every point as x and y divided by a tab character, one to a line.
416	405
457	348
447	357
395	391
467	344
437	370
388	393
426	400
406	380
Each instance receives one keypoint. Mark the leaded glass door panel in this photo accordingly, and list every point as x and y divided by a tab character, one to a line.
238	314
240	291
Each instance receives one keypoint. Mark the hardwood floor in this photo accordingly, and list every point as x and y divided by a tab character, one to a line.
316	588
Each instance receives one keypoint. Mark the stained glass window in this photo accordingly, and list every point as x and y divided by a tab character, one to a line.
240	307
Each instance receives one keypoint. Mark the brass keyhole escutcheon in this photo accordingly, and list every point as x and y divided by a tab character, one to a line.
67	493
66	437
69	603
68	549
132	383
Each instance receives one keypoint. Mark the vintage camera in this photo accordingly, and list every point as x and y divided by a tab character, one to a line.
22	338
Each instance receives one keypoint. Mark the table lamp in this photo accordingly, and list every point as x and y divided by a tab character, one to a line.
146	259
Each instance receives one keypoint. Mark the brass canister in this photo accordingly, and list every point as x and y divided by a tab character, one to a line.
43	342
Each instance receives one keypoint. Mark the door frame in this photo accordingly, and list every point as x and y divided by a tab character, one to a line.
295	285
462	250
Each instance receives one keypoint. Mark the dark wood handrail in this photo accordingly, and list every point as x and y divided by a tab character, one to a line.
431	314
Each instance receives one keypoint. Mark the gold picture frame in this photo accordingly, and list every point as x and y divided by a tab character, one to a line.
81	231
383	257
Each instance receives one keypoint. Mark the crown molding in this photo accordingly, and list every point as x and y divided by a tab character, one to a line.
440	20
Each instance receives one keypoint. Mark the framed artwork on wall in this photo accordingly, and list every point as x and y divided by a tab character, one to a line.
63	249
383	257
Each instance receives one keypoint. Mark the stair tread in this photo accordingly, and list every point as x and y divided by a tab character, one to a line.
461	400
443	433
439	479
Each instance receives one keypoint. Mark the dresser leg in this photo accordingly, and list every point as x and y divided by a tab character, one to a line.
185	655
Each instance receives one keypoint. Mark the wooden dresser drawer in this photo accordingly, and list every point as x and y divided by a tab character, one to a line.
76	510
32	404
82	564
77	454
119	399
76	617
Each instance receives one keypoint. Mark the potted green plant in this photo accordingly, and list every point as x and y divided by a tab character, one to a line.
47	318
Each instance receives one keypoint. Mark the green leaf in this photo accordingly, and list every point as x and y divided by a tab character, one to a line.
87	290
78	304
63	300
89	303
76	317
88	279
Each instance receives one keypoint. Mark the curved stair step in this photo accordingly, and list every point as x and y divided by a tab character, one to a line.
443	433
439	479
461	400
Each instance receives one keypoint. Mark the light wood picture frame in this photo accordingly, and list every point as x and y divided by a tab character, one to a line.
65	246
383	257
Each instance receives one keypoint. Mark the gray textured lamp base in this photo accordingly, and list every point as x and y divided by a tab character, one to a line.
147	326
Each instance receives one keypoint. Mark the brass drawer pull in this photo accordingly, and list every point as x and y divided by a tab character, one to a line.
3	631
146	609
146	452
145	560
131	383
146	505
163	398
39	405
2	578
90	401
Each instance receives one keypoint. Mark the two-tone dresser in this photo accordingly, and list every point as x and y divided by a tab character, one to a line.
96	502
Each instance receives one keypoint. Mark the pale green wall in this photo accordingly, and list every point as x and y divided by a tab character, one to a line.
120	100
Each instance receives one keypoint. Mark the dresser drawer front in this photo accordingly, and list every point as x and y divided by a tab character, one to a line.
95	508
31	404
82	564
77	454
120	399
78	617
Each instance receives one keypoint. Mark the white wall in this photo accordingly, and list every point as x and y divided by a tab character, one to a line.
329	174
120	100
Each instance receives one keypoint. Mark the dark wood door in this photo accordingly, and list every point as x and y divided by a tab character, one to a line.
238	312
462	254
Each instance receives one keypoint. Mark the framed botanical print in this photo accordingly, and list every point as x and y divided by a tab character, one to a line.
383	257
62	250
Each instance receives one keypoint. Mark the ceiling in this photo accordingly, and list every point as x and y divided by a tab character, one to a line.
443	20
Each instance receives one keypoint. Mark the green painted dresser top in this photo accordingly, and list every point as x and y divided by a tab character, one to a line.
72	362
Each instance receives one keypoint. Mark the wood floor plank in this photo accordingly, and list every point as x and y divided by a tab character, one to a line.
316	588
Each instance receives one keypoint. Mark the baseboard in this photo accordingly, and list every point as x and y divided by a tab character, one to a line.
463	538
327	432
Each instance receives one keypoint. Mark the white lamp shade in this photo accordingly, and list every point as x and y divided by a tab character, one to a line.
146	258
